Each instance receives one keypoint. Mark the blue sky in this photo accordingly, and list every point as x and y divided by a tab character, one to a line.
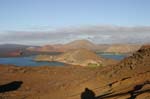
19	16
23	14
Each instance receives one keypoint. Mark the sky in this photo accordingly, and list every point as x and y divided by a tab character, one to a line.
60	21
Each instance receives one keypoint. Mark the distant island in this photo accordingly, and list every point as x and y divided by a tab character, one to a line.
77	44
12	50
81	57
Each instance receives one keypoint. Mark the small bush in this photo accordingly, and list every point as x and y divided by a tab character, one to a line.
94	65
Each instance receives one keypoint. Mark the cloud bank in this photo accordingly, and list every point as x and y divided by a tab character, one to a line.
100	34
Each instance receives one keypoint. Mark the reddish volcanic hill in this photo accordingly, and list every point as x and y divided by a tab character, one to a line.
8	50
14	53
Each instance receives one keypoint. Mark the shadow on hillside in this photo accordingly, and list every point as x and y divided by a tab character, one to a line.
87	94
12	86
133	93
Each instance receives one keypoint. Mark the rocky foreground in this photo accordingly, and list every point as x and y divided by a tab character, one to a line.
130	79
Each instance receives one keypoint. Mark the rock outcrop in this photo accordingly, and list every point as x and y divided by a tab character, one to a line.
138	62
141	58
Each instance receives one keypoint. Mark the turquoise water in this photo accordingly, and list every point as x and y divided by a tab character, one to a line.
28	61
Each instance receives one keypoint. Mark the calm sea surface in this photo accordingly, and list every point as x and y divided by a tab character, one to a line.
28	61
113	56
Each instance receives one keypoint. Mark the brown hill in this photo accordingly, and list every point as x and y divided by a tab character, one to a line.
77	44
142	56
123	48
83	57
80	44
139	62
15	53
65	47
10	50
46	48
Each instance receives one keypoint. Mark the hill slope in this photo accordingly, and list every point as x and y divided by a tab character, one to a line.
12	49
139	62
65	47
81	57
80	44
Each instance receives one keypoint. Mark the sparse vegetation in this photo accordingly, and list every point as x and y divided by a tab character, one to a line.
94	65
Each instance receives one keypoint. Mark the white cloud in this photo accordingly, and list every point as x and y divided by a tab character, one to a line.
97	34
